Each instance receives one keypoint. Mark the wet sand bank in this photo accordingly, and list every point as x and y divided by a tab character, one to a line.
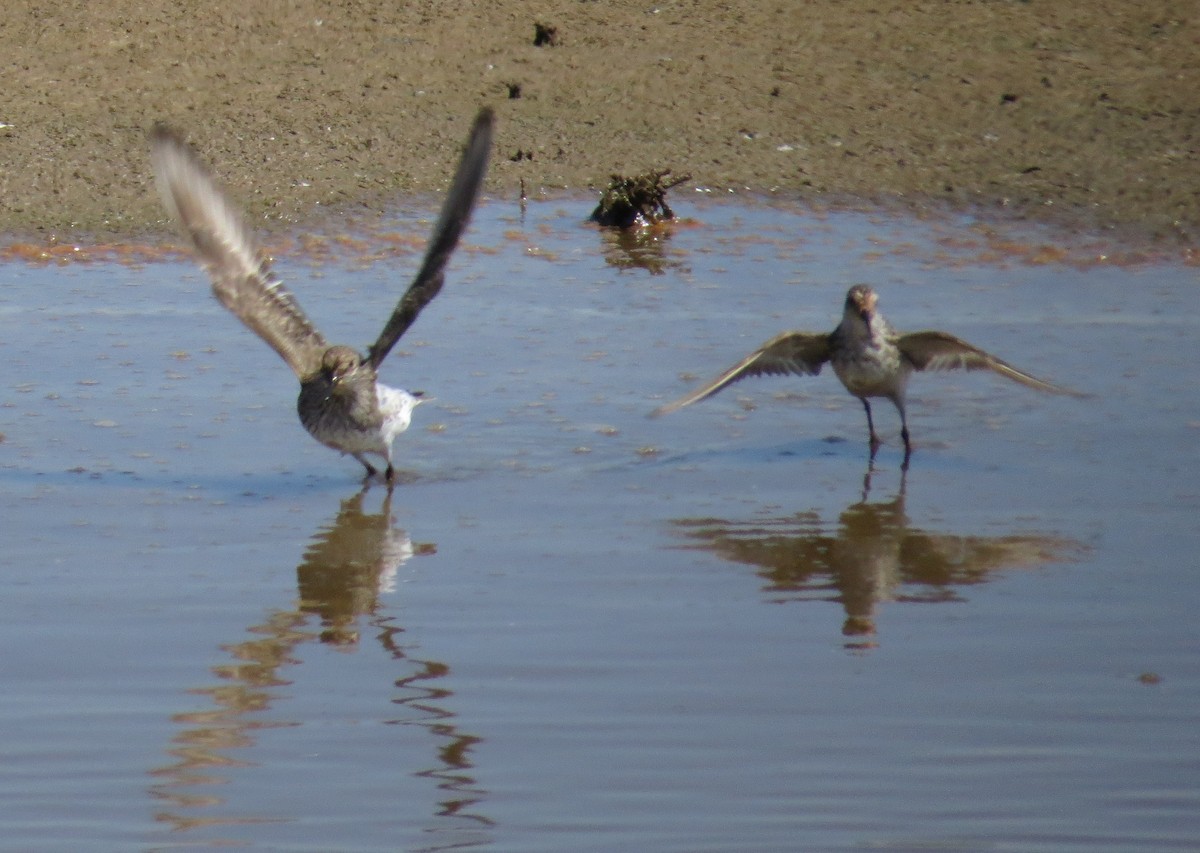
1079	114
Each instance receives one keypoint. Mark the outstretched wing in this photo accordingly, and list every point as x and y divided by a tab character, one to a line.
240	272
802	353
942	351
456	212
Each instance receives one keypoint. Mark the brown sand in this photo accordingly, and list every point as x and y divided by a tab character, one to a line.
1049	108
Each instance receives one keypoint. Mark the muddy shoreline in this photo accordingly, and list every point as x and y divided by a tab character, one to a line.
1085	116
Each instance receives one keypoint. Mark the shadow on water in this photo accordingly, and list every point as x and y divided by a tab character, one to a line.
345	569
870	556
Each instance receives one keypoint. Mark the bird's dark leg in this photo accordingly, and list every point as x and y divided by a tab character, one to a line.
875	442
904	435
371	472
389	475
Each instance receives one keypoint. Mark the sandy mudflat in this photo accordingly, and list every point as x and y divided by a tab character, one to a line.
1083	112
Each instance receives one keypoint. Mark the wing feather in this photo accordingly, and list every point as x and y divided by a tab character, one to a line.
241	275
456	213
943	351
802	353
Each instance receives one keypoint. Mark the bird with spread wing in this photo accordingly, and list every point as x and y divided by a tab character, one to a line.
869	357
342	404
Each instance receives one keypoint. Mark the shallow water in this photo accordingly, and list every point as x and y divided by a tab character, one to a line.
574	628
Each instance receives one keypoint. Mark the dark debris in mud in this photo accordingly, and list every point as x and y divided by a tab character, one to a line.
544	35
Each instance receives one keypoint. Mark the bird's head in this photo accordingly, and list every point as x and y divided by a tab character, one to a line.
339	362
860	300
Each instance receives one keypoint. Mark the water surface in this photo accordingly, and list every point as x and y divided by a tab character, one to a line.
575	628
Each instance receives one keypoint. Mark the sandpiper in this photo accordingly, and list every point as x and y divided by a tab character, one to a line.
869	357
342	404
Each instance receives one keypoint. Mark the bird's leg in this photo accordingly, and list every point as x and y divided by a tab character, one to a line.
371	472
875	442
904	435
389	476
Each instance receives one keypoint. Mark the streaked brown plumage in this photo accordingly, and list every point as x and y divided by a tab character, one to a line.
342	404
869	357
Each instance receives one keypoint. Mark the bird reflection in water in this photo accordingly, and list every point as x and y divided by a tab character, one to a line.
347	567
870	556
349	564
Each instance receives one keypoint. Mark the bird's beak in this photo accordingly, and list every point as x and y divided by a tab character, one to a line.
866	307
